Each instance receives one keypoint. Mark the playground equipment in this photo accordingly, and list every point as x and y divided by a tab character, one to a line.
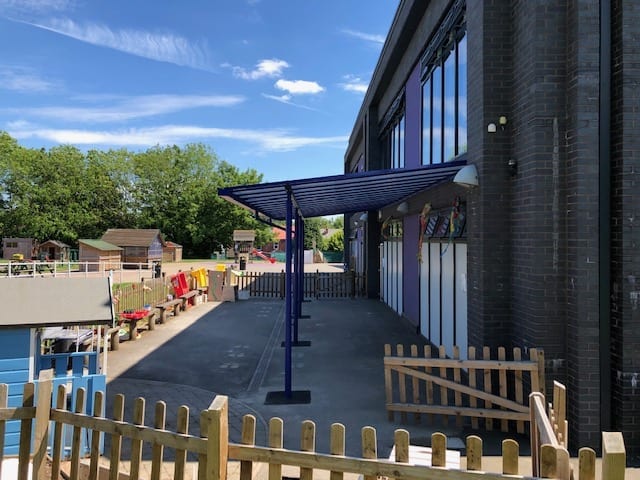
258	253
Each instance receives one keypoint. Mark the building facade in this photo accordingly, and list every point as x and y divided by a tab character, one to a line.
542	98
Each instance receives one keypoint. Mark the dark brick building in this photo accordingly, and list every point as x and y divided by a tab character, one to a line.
542	97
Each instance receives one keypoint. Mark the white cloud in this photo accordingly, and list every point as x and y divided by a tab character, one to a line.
22	80
354	84
267	140
299	87
35	5
372	38
122	109
165	47
265	68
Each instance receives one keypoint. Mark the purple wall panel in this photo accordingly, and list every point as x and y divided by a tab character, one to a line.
413	117
411	268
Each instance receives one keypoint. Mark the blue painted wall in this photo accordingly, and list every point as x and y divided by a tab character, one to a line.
14	371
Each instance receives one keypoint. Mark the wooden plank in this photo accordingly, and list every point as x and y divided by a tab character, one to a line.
526	366
438	450
457	379
116	438
560	411
369	447
76	435
58	427
486	354
157	449
535	379
136	445
453	410
510	457
502	376
473	402
401	442
363	466
519	390
218	438
444	393
429	384
548	461
402	385
388	384
415	385
24	448
586	464
614	456
247	437
307	444
182	426
474	453
98	406
336	447
41	437
275	441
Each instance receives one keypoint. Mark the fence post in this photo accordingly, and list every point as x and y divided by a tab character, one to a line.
43	409
282	284
217	438
352	273
614	456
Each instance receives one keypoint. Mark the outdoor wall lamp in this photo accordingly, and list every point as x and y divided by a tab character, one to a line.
364	217
403	208
467	176
513	167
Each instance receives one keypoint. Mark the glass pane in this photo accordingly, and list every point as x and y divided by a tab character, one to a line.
392	147
436	120
401	142
462	95
449	145
426	122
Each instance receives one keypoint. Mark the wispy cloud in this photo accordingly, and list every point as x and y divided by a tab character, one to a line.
368	37
286	99
122	109
35	6
21	79
354	84
299	87
162	47
271	68
264	140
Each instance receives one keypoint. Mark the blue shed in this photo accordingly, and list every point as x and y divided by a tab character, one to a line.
65	312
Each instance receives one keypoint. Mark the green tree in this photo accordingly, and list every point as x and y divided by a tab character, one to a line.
313	233
335	243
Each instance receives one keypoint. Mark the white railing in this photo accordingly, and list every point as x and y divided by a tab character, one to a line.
121	271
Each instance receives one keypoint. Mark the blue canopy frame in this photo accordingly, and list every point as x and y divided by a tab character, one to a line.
295	200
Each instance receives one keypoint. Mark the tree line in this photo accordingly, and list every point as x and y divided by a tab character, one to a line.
65	194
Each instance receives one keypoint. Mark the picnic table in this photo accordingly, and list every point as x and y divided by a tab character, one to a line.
134	317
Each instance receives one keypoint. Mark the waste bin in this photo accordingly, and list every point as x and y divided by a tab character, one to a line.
157	270
243	263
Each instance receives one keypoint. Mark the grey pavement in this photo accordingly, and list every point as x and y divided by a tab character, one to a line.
235	349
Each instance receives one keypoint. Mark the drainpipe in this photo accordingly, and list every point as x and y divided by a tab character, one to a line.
604	171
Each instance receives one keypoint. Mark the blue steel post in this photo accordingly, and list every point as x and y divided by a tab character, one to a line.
301	232
296	272
287	289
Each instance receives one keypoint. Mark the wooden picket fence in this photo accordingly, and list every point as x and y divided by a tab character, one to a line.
483	388
315	285
213	449
134	296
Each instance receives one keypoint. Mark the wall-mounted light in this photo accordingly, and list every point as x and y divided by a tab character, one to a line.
364	217
502	121
403	208
491	128
467	176
513	167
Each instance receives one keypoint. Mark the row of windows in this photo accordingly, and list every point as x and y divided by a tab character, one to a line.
444	108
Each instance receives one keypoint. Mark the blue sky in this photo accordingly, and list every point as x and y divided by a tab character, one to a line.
273	85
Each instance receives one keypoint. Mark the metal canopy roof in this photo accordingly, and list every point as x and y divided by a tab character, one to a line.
349	193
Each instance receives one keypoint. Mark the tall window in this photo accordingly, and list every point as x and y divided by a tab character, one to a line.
395	143
444	100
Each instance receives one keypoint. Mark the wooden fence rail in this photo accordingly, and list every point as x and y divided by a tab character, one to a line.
213	449
134	296
316	285
485	389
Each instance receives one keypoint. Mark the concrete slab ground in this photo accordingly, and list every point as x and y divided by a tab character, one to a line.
235	349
